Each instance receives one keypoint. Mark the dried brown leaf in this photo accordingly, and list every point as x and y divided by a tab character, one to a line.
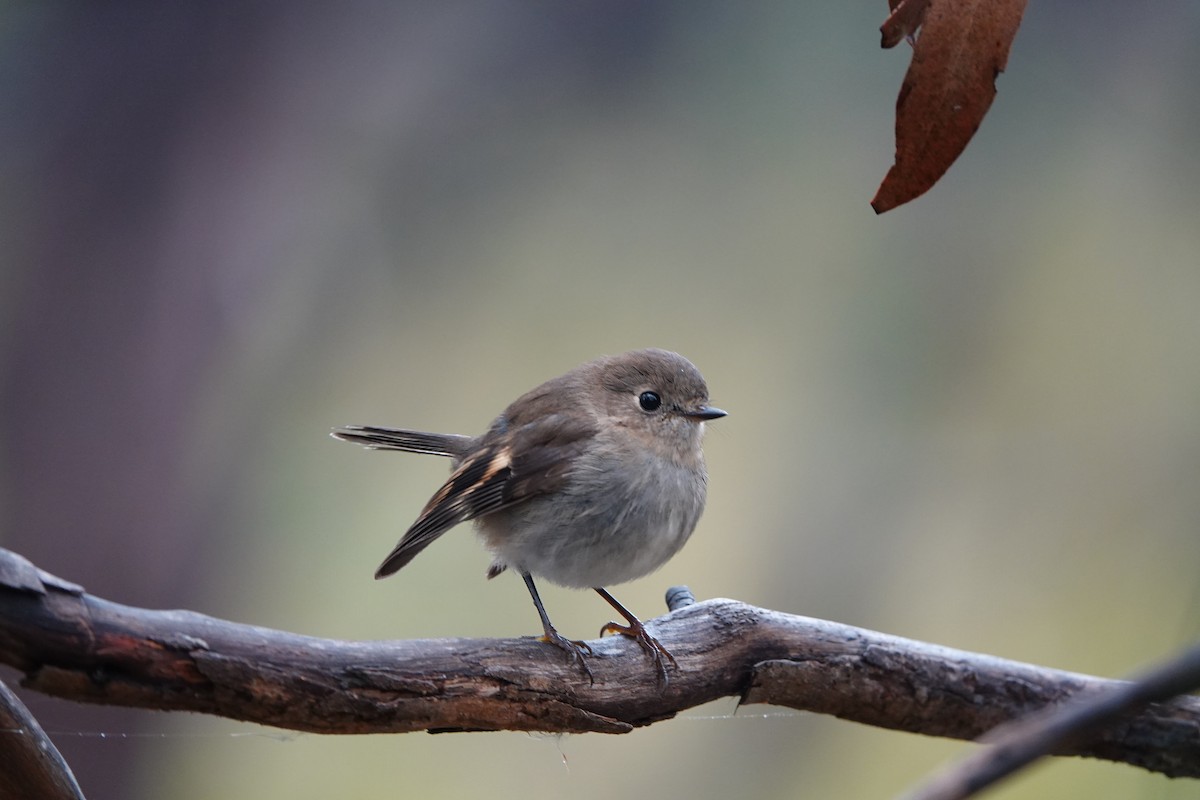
906	17
950	85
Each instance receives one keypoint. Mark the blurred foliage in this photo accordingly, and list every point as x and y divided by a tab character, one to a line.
973	421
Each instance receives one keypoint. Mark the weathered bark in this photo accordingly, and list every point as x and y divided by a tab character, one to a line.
73	645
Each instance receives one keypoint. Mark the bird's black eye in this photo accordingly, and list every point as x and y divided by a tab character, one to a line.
649	401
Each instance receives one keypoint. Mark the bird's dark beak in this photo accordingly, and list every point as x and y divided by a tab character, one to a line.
705	413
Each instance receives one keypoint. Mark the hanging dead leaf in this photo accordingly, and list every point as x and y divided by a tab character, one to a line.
906	17
963	45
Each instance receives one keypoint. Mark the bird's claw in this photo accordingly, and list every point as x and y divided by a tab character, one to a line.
653	647
577	652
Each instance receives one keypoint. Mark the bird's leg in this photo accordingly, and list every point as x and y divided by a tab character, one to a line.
637	631
578	651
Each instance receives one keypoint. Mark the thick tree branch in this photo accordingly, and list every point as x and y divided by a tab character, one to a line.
80	647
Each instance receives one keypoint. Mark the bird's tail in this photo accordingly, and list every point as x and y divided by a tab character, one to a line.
438	444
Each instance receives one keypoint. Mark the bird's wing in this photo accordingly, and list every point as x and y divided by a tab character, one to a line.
509	466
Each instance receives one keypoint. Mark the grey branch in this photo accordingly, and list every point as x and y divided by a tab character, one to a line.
1015	744
73	645
33	767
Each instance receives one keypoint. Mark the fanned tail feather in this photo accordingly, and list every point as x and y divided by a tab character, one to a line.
438	444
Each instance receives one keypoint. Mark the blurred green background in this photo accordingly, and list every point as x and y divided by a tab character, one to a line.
974	420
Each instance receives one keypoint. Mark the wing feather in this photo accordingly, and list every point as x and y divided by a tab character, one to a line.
510	465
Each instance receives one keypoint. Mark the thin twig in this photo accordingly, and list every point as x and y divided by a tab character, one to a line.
1053	729
32	765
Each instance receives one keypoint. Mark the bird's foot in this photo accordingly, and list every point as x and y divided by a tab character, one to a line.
577	652
659	653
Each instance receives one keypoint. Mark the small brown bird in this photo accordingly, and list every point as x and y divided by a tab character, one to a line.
593	478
